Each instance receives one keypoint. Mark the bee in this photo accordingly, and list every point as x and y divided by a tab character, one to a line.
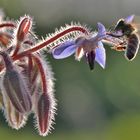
127	30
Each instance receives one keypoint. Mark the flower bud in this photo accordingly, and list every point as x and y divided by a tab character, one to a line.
44	115
14	118
16	87
23	28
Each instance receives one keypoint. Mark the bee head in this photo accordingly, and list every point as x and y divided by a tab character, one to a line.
120	25
124	28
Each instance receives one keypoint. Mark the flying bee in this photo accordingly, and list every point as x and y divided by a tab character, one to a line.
126	30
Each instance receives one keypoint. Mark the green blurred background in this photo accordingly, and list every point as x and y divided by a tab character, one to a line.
98	105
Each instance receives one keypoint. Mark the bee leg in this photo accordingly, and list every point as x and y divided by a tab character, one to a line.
119	48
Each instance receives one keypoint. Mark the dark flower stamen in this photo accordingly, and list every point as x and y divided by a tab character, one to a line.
90	59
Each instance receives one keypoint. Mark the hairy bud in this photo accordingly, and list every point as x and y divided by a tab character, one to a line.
24	28
14	118
44	114
16	87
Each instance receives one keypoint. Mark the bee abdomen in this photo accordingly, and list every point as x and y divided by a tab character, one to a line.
132	47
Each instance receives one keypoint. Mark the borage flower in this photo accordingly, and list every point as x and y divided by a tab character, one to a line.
90	46
26	78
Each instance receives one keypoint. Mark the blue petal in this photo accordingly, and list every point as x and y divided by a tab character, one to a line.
101	30
101	34
129	19
100	57
64	50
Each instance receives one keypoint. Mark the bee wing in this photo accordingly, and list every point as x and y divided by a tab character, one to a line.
136	19
136	23
138	33
137	26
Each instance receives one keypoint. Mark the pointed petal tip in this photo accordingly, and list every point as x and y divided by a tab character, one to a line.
99	24
103	66
101	28
129	19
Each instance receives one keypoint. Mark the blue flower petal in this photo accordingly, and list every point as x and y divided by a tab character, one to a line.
101	28
101	32
129	19
64	50
100	57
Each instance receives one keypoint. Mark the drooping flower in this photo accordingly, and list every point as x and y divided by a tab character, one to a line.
90	46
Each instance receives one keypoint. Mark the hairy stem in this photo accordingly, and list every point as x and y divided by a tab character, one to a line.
46	42
17	49
7	25
52	39
42	73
